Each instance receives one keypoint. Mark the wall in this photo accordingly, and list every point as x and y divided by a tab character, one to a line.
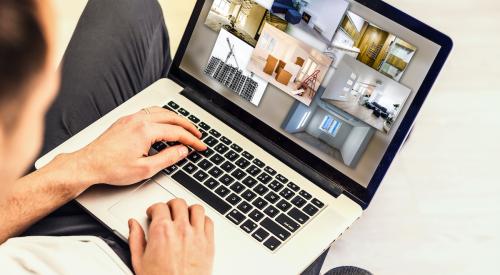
292	122
355	144
253	20
327	14
337	83
337	141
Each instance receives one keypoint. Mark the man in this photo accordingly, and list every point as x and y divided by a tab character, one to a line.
119	48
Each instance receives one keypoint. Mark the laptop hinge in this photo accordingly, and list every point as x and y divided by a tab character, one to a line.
241	127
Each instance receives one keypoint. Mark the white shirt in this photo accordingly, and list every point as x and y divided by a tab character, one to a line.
59	255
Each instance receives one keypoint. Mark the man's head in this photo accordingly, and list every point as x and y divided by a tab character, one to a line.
28	80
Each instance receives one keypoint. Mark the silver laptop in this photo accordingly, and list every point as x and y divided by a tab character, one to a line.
303	105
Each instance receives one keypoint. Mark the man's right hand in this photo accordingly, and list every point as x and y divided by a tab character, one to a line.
180	241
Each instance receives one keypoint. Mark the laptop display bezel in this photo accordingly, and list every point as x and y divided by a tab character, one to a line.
355	191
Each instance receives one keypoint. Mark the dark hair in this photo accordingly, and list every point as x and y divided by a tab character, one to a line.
23	49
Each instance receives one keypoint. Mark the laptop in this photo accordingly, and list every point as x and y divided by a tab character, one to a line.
303	106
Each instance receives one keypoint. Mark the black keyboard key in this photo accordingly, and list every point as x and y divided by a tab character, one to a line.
264	178
287	222
318	203
287	193
204	126
248	226
281	178
238	174
260	234
169	108
271	211
233	199
159	146
256	215
259	203
211	141
272	243
226	180
306	195
182	162
205	164
222	191
248	195
261	189
227	166
190	168
214	133
171	169
259	163
245	207
272	197
247	155
225	140
237	187
298	201
298	215
200	176
221	148
211	183
236	148
207	153
194	119
310	209
201	192
217	159
194	157
283	205
231	155
203	134
215	172
242	163
173	105
183	112
293	186
270	171
253	170
275	186
235	216
249	182
275	229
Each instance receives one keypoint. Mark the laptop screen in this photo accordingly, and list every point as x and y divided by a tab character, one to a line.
332	76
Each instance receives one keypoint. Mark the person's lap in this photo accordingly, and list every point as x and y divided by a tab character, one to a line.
118	49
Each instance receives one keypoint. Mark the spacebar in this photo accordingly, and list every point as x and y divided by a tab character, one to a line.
201	192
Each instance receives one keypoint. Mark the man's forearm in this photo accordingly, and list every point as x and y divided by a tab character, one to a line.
36	195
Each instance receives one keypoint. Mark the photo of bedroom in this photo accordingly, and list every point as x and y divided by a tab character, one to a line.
227	64
366	94
289	64
242	18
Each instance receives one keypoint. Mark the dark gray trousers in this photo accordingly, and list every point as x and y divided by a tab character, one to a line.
119	48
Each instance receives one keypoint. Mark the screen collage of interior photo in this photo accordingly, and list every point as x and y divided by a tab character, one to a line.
331	75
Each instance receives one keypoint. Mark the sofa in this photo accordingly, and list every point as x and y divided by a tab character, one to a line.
292	15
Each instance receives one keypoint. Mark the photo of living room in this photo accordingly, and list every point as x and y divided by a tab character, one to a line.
289	64
243	18
366	94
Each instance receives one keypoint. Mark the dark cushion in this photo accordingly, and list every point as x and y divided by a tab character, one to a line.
293	16
288	3
280	8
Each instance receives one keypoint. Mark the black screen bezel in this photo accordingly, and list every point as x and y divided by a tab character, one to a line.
352	189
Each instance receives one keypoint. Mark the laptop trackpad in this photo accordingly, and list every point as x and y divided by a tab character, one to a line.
136	204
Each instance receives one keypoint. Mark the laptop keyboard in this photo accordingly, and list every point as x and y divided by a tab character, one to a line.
250	194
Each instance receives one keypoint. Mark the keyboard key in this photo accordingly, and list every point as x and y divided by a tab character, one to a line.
211	141
214	133
215	172
194	119
194	157
226	180
204	126
227	166
207	153
237	187
201	192
211	183
242	163
248	195
253	170
261	189
235	216
287	222
264	178
171	169
281	178
247	155
272	197
272	243
168	108
183	112
318	203
221	148
306	195
233	199
231	155
245	207
270	171
293	186
248	226
222	191
205	164
225	140
200	176
259	163
238	174
271	211
310	209
298	201
203	134
217	159
287	193
283	205
256	215
275	186
275	229
236	148
260	234
182	162
249	182
259	203
190	168
173	105
159	146
298	215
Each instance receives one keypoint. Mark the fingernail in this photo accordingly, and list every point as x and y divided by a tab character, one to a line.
130	224
183	151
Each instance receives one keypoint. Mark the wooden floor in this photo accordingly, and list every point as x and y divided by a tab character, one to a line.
438	210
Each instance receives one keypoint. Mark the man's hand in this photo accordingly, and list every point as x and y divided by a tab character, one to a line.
120	155
181	241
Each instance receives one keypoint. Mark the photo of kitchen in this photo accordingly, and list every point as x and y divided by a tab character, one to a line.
289	64
244	19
